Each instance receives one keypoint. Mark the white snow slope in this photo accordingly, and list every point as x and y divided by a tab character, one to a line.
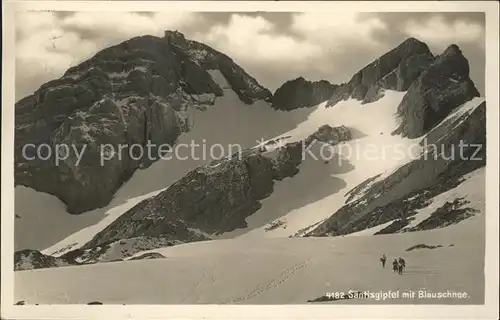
319	188
275	271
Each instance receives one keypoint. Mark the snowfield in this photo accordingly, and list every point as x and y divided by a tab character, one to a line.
275	271
300	203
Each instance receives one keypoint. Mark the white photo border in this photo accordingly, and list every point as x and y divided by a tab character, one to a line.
487	311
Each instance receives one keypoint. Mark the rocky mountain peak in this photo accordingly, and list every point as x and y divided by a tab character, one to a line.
394	70
452	49
434	85
135	91
413	45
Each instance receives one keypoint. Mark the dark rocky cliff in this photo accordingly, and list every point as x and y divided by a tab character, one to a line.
395	70
33	259
127	94
440	88
300	93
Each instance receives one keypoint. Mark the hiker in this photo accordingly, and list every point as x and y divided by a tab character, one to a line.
402	265
400	268
395	265
383	260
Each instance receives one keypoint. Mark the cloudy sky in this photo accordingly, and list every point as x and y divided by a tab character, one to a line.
272	47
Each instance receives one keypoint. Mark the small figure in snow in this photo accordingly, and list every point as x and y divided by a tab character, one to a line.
395	265
383	260
400	268
401	265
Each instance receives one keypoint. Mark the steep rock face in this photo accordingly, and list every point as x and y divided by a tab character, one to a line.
440	88
395	70
128	94
33	259
300	93
410	67
411	187
212	199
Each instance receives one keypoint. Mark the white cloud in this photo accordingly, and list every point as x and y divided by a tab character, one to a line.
48	45
337	29
330	44
29	22
436	31
120	26
247	38
45	48
314	37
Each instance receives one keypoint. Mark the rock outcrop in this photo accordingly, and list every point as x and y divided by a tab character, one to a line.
149	256
300	93
32	259
424	246
331	135
125	248
128	94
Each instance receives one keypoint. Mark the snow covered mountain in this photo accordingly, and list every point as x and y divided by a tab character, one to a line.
131	93
304	168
